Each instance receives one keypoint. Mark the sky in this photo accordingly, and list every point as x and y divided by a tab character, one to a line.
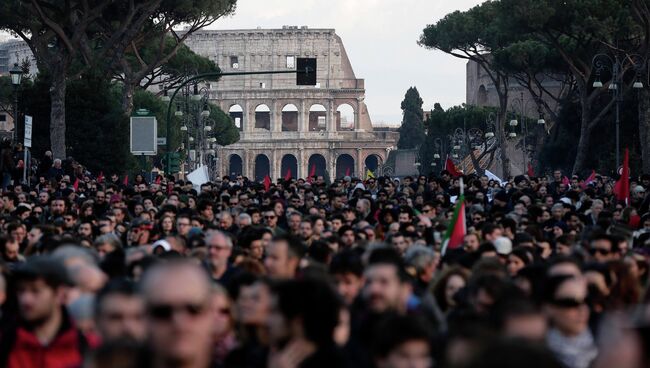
380	37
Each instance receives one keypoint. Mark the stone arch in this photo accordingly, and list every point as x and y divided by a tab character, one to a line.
345	117
235	165
263	117
482	97
317	117
372	163
289	166
289	118
317	165
344	166
262	167
237	116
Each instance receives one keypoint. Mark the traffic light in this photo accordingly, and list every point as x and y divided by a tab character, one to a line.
306	72
173	159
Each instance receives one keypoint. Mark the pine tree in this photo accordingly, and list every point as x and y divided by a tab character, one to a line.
412	129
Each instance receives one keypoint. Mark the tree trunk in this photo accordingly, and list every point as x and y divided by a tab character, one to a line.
128	91
57	113
644	129
585	135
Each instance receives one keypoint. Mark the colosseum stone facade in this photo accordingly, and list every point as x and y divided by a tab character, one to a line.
284	128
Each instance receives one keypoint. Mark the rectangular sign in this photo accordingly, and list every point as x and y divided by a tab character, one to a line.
162	141
144	135
28	131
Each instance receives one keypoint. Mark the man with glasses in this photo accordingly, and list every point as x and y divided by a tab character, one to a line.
323	200
179	321
183	224
219	251
566	306
244	200
271	221
602	248
69	221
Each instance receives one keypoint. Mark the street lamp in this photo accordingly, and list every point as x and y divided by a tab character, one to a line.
16	75
16	78
165	96
603	62
524	108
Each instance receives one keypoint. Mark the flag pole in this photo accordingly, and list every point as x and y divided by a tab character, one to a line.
462	186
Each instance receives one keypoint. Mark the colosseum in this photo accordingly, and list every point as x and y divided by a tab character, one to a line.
284	128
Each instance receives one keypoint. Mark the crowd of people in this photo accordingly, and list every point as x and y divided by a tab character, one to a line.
106	272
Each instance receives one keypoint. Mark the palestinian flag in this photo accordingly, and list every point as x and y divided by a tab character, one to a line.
457	228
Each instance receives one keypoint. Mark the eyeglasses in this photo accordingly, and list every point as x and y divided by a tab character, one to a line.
38	213
601	251
183	224
269	217
323	198
427	210
165	312
568	302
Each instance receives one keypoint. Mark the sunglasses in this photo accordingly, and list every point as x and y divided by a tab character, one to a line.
269	217
568	302
604	252
165	312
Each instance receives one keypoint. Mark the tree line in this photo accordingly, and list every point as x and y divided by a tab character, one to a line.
526	41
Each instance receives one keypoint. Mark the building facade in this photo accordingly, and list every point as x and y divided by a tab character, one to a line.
480	91
11	52
287	129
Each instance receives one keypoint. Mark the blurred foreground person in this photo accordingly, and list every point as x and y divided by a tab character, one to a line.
180	324
45	336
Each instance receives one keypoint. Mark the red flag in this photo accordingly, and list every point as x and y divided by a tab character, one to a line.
267	183
531	172
126	180
75	186
591	178
566	181
453	171
312	173
288	176
347	171
158	179
457	228
100	178
622	186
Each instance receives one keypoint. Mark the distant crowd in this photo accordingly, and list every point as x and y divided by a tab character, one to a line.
103	271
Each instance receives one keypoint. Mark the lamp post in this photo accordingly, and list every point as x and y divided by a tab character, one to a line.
16	78
603	62
437	142
523	107
195	110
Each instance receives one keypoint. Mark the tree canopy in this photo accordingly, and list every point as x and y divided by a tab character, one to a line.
72	37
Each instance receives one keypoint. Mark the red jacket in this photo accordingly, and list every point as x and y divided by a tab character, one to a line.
66	350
